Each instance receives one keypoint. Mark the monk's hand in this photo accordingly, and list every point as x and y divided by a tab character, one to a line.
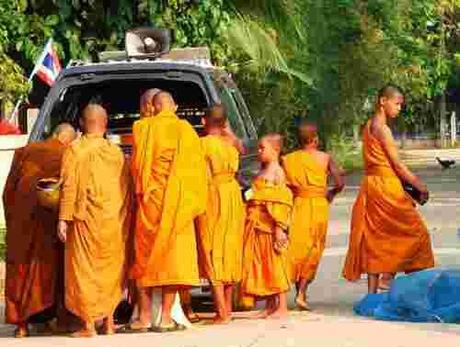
330	195
62	230
423	189
281	240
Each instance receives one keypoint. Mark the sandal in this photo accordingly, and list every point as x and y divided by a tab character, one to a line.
169	328
133	328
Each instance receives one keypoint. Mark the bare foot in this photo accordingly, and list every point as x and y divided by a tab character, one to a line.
21	331
261	314
108	330
221	320
84	333
384	284
302	304
279	314
192	317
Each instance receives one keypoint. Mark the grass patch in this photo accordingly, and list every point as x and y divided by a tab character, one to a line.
346	153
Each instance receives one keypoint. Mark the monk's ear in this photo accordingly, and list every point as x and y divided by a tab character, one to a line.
203	121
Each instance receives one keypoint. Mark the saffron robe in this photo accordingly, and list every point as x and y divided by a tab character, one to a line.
223	236
34	254
95	197
265	272
170	183
388	235
307	233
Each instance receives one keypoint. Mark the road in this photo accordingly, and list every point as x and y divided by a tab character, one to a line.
332	322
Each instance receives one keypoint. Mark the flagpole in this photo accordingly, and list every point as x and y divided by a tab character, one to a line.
31	75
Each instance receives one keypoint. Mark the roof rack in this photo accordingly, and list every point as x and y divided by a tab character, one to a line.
192	55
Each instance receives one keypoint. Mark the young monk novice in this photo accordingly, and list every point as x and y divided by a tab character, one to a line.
307	172
388	234
222	235
265	272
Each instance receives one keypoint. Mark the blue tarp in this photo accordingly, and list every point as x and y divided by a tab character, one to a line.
426	296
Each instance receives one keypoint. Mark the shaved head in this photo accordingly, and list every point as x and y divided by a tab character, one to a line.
307	133
146	103
94	119
163	101
65	133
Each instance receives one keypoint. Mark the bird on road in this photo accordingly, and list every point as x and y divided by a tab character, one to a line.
446	163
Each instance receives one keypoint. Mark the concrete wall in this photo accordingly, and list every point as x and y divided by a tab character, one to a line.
8	144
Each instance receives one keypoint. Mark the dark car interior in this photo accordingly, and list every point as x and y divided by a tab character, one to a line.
121	100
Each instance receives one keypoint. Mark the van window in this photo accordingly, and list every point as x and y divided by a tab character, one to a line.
234	116
121	100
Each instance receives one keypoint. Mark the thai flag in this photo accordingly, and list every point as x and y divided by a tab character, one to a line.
47	67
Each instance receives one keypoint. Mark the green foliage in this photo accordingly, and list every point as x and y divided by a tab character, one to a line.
321	59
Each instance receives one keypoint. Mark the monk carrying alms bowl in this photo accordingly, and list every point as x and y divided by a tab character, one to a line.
48	190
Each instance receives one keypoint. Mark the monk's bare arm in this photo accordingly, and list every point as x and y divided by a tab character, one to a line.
237	142
336	173
383	134
69	188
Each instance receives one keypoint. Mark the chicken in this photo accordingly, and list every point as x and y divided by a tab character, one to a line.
446	163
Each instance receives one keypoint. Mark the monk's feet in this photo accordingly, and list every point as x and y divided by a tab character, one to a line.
84	333
261	314
219	320
192	317
279	314
108	330
140	326
168	328
21	331
302	304
385	284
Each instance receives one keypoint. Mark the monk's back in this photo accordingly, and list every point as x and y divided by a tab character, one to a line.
104	162
164	132
306	170
222	158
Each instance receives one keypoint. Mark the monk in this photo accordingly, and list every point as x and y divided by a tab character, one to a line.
307	172
388	234
94	223
265	269
147	109
222	236
33	259
170	184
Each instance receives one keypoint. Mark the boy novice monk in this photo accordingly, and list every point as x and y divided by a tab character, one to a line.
265	272
221	233
388	235
307	171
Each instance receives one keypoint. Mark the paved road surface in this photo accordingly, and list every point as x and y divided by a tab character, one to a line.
332	323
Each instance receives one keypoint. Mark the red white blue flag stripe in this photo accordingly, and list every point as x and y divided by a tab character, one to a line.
48	66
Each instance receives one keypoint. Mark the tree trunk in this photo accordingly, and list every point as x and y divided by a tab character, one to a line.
442	120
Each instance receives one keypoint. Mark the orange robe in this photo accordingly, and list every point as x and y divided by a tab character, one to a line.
307	233
33	259
170	183
388	234
265	272
95	198
223	236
